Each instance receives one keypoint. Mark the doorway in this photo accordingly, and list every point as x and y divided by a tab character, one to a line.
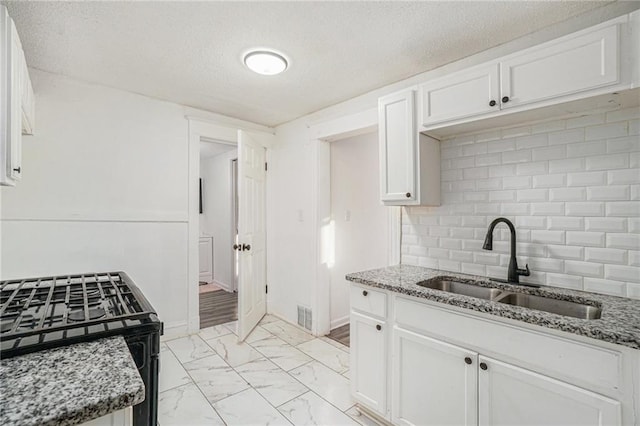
218	230
360	222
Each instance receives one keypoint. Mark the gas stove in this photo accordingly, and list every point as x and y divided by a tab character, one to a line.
43	313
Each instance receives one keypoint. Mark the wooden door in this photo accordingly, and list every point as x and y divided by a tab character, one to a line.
251	234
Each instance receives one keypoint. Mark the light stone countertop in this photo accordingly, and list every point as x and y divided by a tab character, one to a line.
619	322
70	384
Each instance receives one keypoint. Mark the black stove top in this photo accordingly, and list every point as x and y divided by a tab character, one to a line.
41	313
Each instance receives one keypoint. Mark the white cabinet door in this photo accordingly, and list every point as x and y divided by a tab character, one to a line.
397	133
369	362
14	146
205	251
510	395
463	94
434	383
27	99
561	68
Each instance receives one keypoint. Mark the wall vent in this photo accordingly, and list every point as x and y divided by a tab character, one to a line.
304	317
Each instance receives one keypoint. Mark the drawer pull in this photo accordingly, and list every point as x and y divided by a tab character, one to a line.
365	292
483	366
467	360
378	327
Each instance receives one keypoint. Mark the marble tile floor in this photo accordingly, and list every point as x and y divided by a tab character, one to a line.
281	375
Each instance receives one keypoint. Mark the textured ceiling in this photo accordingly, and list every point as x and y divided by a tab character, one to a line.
190	52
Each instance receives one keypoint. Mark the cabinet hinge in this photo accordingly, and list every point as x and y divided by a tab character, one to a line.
266	289
265	167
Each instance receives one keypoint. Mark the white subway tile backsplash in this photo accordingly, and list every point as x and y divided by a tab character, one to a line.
605	255
624	241
623	208
550	181
521	156
585	269
549	153
633	290
528	169
587	178
572	188
614	288
566	137
566	165
608	162
585	209
516	182
547	237
608	193
606	131
591	239
566	223
566	252
565	281
567	194
547	209
624	144
586	148
524	142
621	177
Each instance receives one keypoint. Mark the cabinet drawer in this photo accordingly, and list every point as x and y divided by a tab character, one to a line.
568	360
372	302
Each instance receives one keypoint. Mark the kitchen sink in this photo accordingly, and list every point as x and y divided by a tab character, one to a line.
457	287
554	306
538	303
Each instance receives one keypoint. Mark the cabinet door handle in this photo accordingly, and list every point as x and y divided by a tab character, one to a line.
378	327
467	360
483	366
365	292
408	194
246	247
505	99
492	103
18	169
236	247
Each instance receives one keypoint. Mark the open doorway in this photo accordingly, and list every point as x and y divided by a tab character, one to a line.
359	220
218	231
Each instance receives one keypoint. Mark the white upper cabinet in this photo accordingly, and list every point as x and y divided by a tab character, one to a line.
464	94
397	134
561	68
17	105
588	63
409	162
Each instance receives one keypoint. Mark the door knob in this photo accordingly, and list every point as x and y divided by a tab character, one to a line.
246	247
408	194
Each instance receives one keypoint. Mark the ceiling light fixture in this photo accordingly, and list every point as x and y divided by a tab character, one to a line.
265	62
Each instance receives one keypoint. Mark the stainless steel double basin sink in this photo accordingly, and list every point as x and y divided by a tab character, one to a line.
539	303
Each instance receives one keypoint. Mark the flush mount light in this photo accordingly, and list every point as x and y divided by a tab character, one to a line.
265	62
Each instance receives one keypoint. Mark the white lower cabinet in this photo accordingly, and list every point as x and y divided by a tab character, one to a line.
369	355
422	363
122	417
509	395
418	363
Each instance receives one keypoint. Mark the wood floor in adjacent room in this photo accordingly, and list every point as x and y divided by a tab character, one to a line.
218	307
340	334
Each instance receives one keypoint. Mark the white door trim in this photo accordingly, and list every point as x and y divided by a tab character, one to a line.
200	129
322	134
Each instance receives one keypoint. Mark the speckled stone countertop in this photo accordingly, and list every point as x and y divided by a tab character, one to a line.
69	385
619	322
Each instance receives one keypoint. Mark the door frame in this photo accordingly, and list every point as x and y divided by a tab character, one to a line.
203	129
323	134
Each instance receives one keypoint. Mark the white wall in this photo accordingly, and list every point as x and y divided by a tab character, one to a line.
571	187
361	222
104	188
216	219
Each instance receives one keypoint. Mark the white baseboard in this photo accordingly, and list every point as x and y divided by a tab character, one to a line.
339	322
224	286
175	330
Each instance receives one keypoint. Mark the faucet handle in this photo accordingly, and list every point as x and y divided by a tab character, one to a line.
526	272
